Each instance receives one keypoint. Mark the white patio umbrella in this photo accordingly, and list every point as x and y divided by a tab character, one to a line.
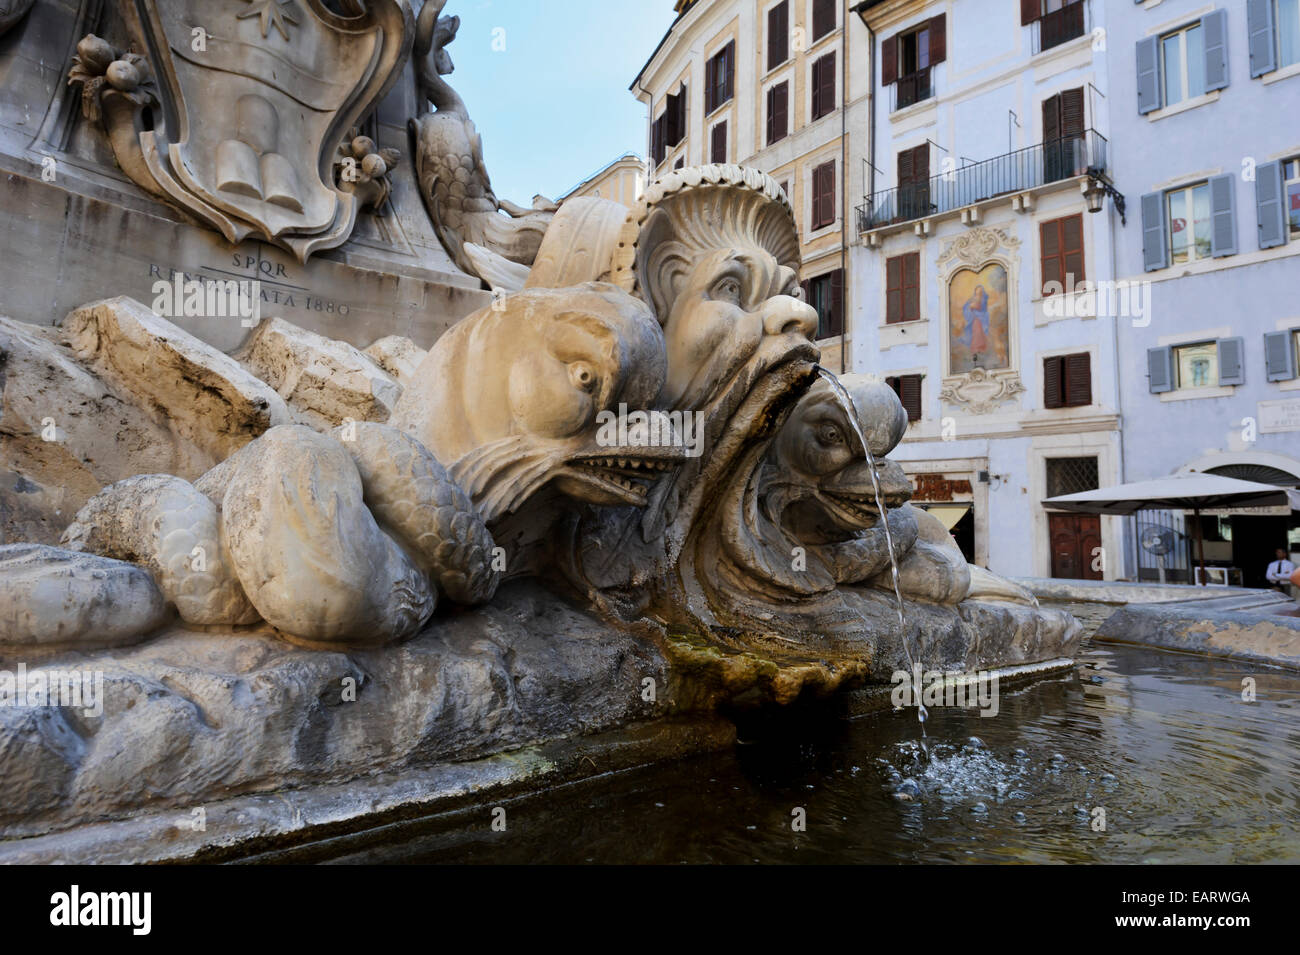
1178	492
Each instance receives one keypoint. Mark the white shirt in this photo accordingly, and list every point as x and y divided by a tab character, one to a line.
1280	571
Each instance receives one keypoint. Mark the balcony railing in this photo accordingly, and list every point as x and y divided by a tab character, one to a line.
1060	26
1011	172
912	88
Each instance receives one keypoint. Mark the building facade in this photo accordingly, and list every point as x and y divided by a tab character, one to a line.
780	85
1205	107
989	126
622	180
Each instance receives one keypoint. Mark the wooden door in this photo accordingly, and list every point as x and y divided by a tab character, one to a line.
1075	542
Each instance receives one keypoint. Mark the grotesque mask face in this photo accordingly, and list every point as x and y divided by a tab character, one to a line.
727	301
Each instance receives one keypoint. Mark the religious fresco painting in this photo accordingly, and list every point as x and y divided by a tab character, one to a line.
978	335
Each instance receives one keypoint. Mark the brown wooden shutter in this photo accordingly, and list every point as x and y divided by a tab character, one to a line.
1072	248
1078	380
729	64
836	323
718	146
914	165
1052	118
911	286
1030	10
657	139
1049	251
778	123
1071	113
1053	370
816	89
824	195
823	86
938	39
894	289
889	60
823	18
709	85
778	34
909	392
771	116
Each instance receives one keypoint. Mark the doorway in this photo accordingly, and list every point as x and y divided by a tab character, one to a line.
1075	543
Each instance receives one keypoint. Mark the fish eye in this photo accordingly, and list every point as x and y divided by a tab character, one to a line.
728	288
828	434
582	375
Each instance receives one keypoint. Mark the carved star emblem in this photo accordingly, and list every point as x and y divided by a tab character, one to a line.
273	14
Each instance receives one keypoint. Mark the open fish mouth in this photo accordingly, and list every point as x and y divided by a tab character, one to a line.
856	510
620	478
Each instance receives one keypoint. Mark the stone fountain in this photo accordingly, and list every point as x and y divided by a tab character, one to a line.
617	498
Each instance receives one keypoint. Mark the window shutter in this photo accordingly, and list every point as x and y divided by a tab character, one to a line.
938	40
889	61
909	393
1270	210
1215	29
782	110
1232	361
1148	74
816	89
823	18
1223	217
1052	374
1160	369
806	287
823	84
718	150
1030	10
729	65
672	114
1261	37
1279	356
681	114
894	289
1078	379
1154	251
778	34
911	286
1072	250
1052	118
709	85
1072	113
657	139
836	324
1049	242
771	116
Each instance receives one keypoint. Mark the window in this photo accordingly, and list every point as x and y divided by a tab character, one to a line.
823	202
906	59
778	112
823	86
1273	34
1063	129
1190	223
903	288
823	18
1067	381
1071	475
1291	190
908	389
1060	250
1182	57
914	182
778	34
1184	64
675	118
718	143
1281	355
1196	365
1057	20
1188	213
718	73
785	188
657	147
826	294
681	161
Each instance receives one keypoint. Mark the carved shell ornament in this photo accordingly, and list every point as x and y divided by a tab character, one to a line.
977	245
980	391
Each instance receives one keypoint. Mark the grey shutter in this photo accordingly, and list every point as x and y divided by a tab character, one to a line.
1154	255
1232	361
1148	67
1160	369
1260	37
1223	214
1215	27
1270	210
1279	356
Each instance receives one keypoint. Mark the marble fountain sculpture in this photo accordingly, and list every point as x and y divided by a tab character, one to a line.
303	563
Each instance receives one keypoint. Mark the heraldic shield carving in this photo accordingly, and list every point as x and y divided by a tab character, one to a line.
256	97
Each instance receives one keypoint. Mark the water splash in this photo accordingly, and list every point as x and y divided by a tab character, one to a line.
846	400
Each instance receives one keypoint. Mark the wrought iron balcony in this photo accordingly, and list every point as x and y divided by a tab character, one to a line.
1011	172
912	88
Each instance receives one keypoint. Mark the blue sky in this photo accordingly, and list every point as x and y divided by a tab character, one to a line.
553	106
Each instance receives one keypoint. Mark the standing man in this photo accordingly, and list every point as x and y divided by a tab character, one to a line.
1279	572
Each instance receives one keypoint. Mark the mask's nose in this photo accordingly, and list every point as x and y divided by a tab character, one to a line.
783	313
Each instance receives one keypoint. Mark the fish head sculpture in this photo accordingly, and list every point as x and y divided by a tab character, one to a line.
537	389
